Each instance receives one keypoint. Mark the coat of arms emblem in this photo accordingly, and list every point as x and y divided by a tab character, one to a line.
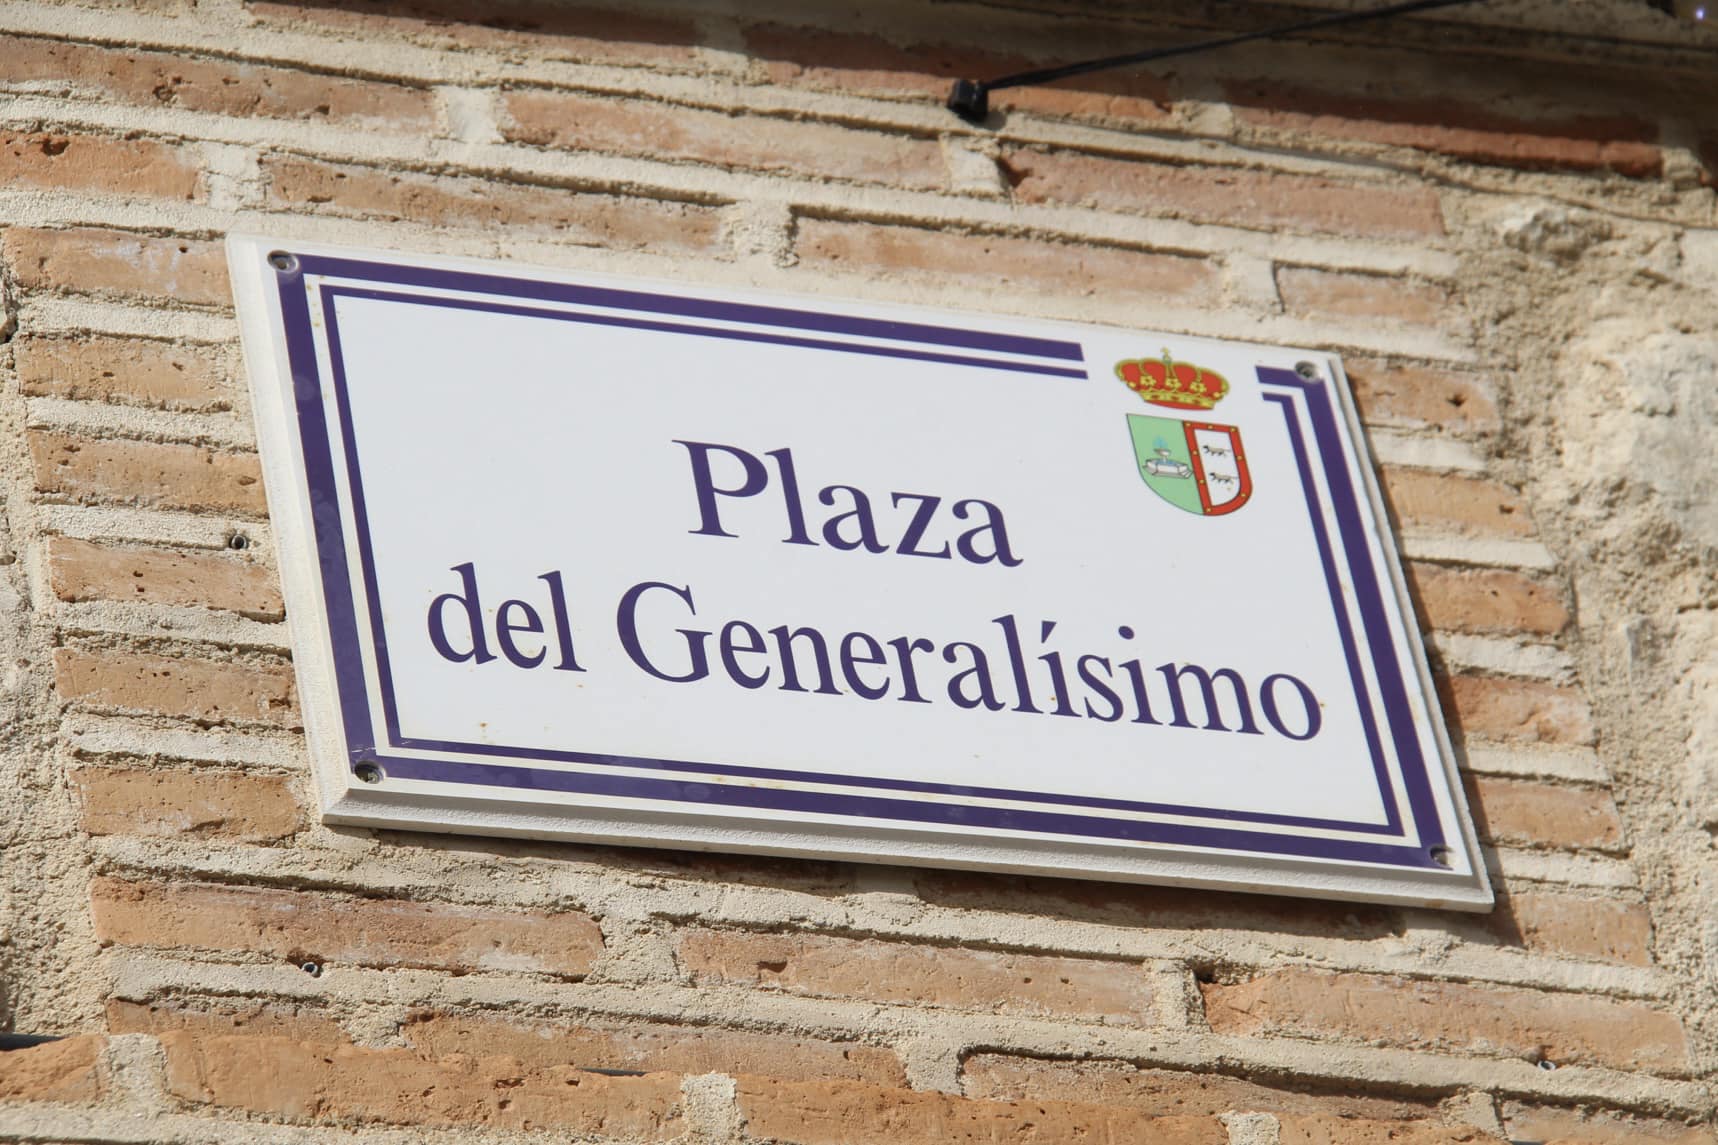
1197	466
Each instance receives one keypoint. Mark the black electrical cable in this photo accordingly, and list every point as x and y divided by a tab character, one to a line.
970	99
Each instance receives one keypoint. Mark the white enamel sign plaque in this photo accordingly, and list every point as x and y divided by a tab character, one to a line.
577	557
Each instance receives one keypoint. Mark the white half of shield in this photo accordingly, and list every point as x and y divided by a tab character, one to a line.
1222	471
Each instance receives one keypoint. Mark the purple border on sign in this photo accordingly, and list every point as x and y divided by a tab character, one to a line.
395	737
351	671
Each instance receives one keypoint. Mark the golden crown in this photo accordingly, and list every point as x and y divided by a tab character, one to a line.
1166	382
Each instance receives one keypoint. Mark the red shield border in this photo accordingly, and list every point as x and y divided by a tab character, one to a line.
1241	470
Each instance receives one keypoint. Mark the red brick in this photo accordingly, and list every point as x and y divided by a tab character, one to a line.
1516	711
1486	601
1078	269
172	686
68	1070
850	1113
540	29
942	976
80	570
1339	294
1135	906
89	261
755	142
99	367
1452	504
575	216
206	804
1163	1092
651	1048
1597	1127
167	79
1231	196
870	65
1462	130
1518	811
1449	1017
1416	396
1332	1130
316	926
1606	929
96	163
161	7
296	1021
314	1081
146	473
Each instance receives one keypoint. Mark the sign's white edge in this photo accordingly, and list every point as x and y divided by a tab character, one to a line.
348	801
260	334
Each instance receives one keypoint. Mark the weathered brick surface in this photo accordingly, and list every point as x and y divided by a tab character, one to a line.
850	1113
312	1081
80	570
593	132
1333	1130
1449	127
1568	925
206	804
157	7
827	60
1006	1077
146	473
1449	1017
219	87
84	260
575	216
1126	905
174	686
1231	196
68	1070
1486	600
1517	811
95	367
797	147
1449	503
1003	260
1316	293
320	927
1415	396
97	164
1516	711
1553	1126
942	976
653	1047
295	1021
542	28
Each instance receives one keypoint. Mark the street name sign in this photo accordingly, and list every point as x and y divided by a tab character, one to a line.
578	557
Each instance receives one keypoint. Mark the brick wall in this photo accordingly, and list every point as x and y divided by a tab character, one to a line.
226	968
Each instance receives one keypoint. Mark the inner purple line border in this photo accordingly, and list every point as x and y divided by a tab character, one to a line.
350	670
341	388
723	332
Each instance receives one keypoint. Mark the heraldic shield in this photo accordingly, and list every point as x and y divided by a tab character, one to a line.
1194	465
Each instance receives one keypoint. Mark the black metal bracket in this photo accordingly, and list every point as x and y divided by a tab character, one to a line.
970	99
